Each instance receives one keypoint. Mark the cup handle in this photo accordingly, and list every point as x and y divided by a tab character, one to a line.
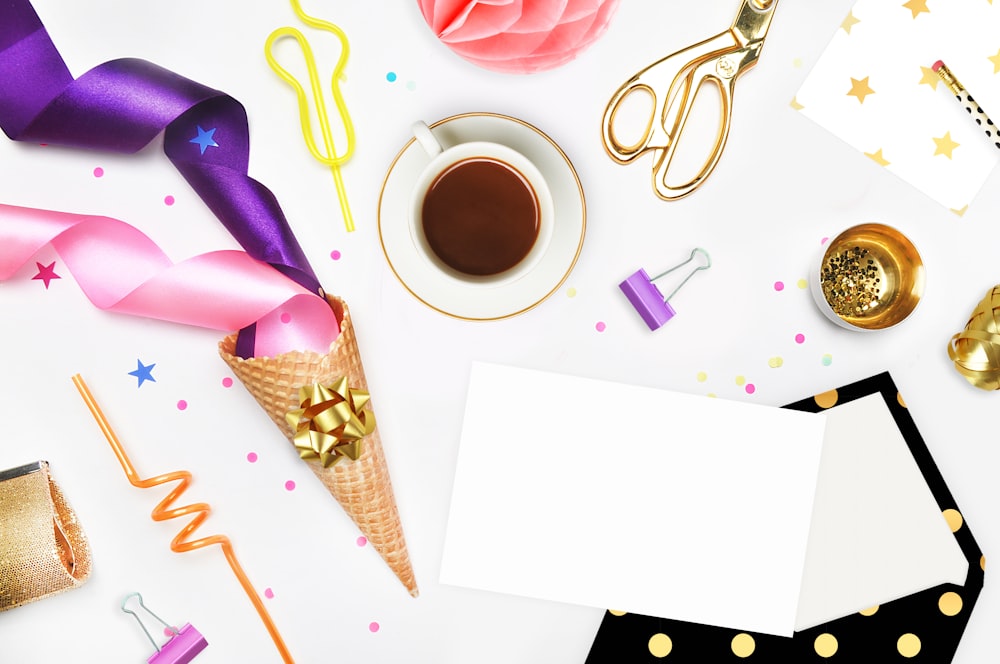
425	137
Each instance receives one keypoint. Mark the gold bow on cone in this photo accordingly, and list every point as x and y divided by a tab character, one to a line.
330	423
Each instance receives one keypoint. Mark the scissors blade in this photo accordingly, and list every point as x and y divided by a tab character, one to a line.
752	22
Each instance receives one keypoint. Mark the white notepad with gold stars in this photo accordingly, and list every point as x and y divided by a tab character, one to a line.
874	87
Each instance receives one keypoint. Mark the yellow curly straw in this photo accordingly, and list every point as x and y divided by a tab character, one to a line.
161	512
331	158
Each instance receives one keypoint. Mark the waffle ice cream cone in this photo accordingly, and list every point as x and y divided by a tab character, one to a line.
362	487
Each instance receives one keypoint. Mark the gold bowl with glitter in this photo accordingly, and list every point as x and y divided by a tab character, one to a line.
870	278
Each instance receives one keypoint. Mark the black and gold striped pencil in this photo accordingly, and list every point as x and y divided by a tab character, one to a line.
976	111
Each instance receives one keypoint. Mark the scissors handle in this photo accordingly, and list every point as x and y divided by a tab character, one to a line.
661	81
704	74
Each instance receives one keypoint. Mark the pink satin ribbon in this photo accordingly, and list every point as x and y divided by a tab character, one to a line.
121	270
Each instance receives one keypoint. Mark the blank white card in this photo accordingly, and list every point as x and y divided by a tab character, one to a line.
631	498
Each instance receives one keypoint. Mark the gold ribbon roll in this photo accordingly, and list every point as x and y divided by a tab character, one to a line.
976	349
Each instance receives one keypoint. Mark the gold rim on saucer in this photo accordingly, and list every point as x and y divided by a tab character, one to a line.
536	300
871	277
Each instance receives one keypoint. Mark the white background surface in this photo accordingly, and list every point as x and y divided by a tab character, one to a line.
783	185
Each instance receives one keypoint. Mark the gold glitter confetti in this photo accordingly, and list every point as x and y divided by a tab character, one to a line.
852	282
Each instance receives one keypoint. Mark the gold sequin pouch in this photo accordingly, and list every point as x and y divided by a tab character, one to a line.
43	549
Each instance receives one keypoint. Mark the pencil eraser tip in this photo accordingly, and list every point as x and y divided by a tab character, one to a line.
937	65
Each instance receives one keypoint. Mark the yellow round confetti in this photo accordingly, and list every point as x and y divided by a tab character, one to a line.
797	62
827	399
899	398
982	562
908	645
740	380
802	283
616	613
712	395
869	611
775	362
702	376
660	645
571	292
743	645
950	604
825	645
954	519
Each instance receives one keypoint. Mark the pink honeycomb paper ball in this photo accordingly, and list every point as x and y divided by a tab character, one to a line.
518	36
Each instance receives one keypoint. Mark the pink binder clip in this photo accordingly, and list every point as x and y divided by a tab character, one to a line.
647	298
182	647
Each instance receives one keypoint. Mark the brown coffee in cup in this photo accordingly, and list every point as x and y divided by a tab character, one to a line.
480	216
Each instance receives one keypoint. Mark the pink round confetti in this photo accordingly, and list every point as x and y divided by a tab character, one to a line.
750	388
286	318
373	627
170	631
268	593
335	255
168	200
824	240
182	405
779	286
361	541
290	485
252	457
227	382
800	338
98	172
600	327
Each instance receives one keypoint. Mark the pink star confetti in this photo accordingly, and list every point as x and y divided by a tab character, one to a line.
46	273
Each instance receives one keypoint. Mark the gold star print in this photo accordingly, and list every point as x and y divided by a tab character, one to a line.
945	145
877	157
929	76
796	105
916	7
860	89
995	59
849	22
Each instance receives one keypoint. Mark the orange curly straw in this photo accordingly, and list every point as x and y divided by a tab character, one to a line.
201	511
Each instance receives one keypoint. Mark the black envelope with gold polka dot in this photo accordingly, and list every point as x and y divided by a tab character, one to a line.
923	626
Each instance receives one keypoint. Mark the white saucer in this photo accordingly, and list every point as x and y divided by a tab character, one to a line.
475	302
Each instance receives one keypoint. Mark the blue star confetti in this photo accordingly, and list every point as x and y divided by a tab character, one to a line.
144	372
205	139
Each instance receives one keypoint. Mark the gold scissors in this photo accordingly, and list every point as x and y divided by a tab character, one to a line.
674	82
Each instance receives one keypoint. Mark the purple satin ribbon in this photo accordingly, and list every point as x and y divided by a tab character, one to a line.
122	105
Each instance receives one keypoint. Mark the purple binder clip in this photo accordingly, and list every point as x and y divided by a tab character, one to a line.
647	298
182	646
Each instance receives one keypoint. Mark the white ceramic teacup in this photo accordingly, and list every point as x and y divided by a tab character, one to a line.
444	161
